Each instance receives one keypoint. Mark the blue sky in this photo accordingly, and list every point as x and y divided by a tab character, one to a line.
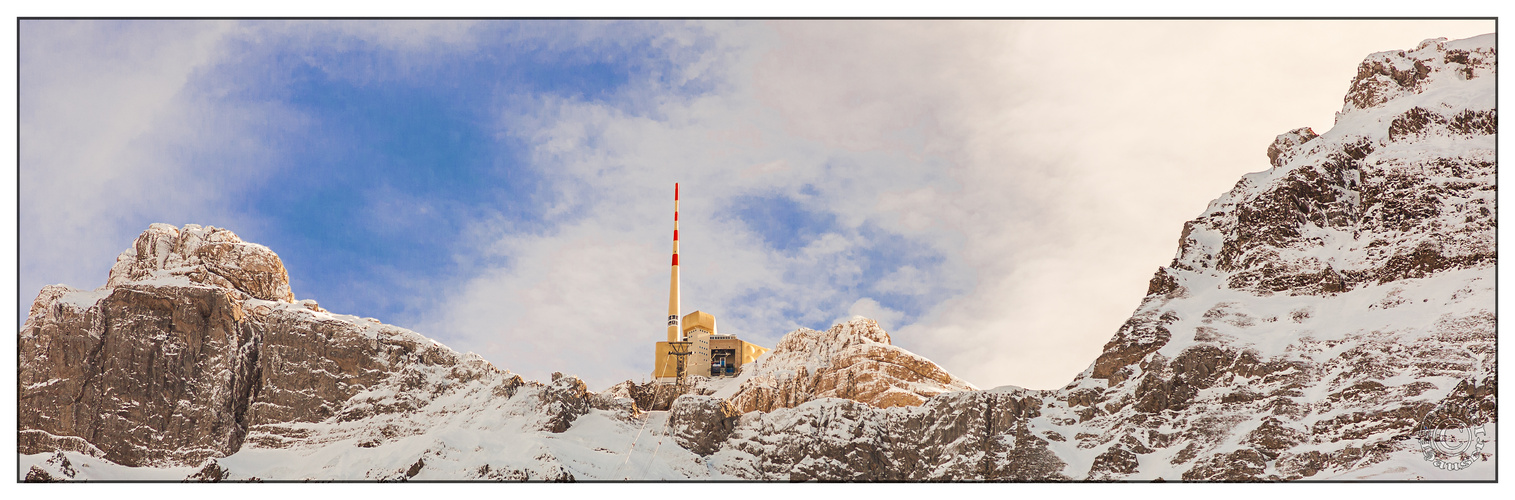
376	187
996	193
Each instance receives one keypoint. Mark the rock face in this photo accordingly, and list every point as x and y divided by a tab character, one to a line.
701	423
186	356
852	360
114	373
973	435
202	256
1316	315
1325	319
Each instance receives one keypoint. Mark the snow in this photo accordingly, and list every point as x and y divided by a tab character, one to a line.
1408	463
85	299
735	384
95	469
1410	307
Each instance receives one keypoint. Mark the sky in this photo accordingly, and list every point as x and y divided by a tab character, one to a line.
995	193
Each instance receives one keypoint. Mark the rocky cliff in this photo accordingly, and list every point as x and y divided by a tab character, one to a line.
195	350
1328	318
1315	315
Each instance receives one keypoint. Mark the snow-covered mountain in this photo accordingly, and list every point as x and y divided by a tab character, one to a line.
1329	318
1317	313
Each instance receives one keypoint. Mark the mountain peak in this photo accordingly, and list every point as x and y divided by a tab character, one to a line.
202	255
1390	75
852	360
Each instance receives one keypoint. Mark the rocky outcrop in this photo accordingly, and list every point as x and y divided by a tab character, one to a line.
202	256
1387	76
701	423
1284	146
974	435
1372	201
565	399
59	465
116	374
195	348
654	396
853	360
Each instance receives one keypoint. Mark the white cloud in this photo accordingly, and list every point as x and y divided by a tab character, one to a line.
907	280
868	308
96	102
1051	164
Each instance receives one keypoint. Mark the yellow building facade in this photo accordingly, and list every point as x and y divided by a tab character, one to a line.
724	357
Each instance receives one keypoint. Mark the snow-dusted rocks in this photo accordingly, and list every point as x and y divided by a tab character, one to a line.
969	435
852	360
1391	75
701	423
145	375
205	256
1401	187
178	361
1285	145
1317	313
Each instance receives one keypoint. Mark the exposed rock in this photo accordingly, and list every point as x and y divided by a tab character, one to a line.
203	256
1139	336
853	360
982	435
654	396
1385	76
565	399
56	469
1397	202
37	475
701	423
1241	465
154	370
1284	145
117	373
1117	462
211	473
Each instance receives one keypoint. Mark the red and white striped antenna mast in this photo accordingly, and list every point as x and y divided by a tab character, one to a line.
673	280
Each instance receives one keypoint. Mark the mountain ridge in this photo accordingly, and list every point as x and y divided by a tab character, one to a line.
1293	336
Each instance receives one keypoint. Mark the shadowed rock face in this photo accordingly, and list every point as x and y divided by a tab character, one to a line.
195	349
160	372
116	374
